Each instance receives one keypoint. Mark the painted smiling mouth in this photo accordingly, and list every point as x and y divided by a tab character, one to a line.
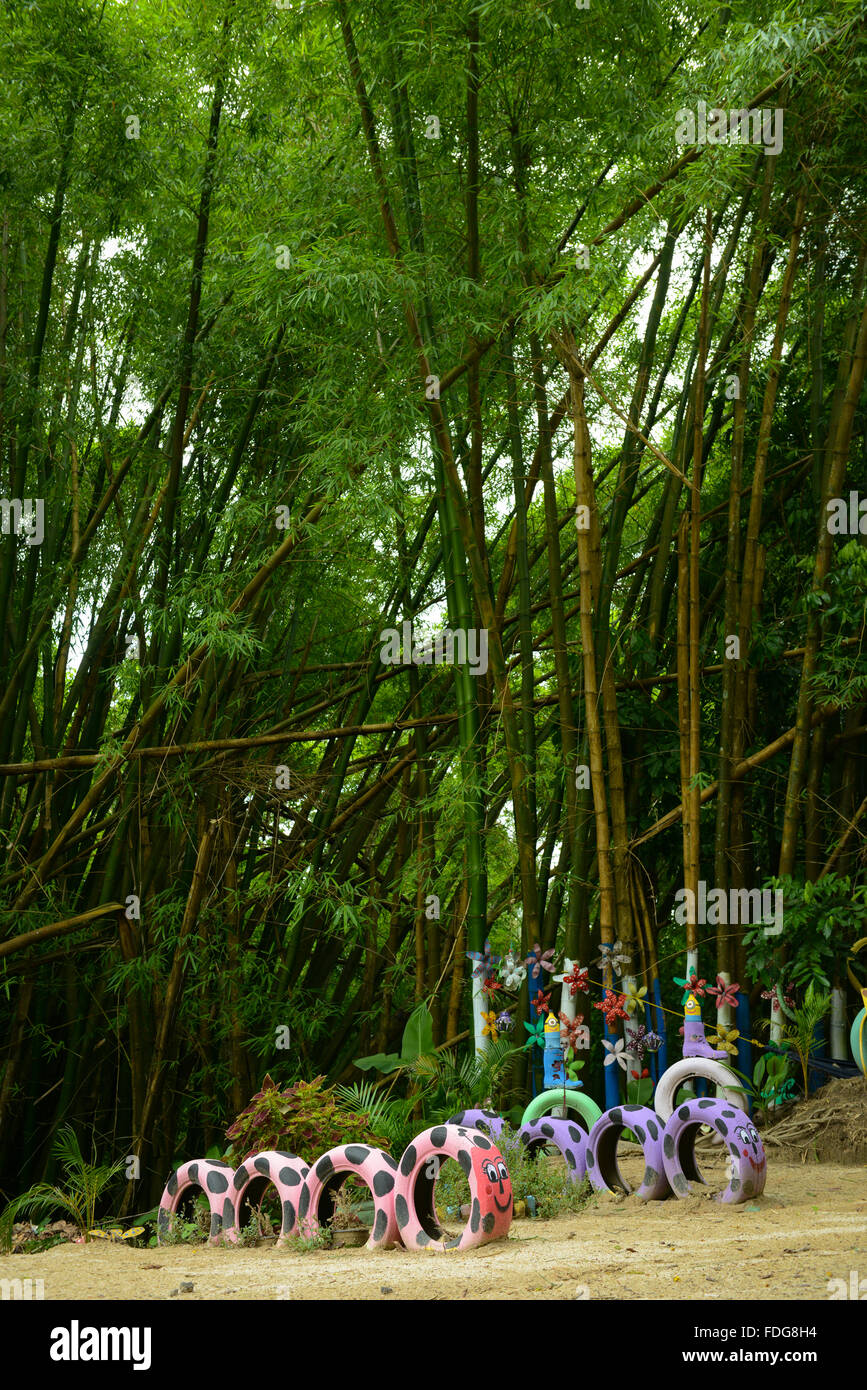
500	1206
756	1167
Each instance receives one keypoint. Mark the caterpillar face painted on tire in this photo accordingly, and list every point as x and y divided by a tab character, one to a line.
488	1177
285	1171
214	1179
747	1162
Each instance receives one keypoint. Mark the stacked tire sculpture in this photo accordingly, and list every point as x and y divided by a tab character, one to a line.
488	1177
671	1080
285	1171
214	1179
602	1169
586	1114
569	1138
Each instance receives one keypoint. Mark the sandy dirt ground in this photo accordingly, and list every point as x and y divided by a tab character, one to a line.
809	1226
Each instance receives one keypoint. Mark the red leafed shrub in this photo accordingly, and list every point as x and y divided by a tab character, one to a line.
304	1119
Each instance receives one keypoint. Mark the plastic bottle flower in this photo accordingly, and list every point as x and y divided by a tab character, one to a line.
537	1034
486	961
781	998
490	986
540	960
577	980
613	955
505	1022
574	1032
541	1001
691	985
490	1028
635	998
725	1038
612	1007
642	1040
512	973
618	1052
724	994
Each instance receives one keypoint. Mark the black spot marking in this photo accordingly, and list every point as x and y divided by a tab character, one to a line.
705	1104
633	1107
668	1146
488	1223
289	1176
475	1215
639	1133
465	1161
652	1129
380	1224
570	1158
217	1182
650	1177
456	1119
288	1215
303	1201
735	1184
453	1244
575	1134
262	1166
721	1126
749	1188
172	1184
241	1176
401	1211
422	1239
216	1223
193	1173
281	1153
382	1183
481	1142
733	1150
438	1136
548	1130
407	1163
228	1213
591	1161
679	1183
392	1162
615	1115
324	1168
357	1153
164	1218
730	1114
683	1112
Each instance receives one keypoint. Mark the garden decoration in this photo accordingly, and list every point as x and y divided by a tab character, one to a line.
576	979
748	1166
512	973
541	1002
377	1170
540	960
570	1139
634	998
213	1178
586	1114
618	1052
858	1031
560	1084
699	1060
488	1177
691	984
612	957
285	1171
554	1062
602	1169
488	1121
485	961
490	1025
724	995
537	1035
505	1022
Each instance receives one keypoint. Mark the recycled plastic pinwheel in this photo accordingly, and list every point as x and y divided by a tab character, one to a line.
537	1035
724	1038
576	980
512	973
642	1040
613	955
505	1022
782	999
574	1032
635	998
490	1028
540	960
612	1007
691	985
490	986
724	994
618	1052
486	961
541	1001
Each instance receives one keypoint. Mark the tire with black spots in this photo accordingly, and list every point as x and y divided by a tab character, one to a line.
488	1121
491	1203
328	1174
602	1169
586	1111
747	1164
569	1138
215	1181
285	1171
674	1077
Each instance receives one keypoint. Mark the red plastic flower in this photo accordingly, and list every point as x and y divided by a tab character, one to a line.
541	1001
612	1007
577	980
490	985
572	1029
725	994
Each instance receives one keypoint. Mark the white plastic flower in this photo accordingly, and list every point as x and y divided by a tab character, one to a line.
512	974
618	1052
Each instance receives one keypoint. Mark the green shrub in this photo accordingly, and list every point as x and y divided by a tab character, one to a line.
305	1119
530	1174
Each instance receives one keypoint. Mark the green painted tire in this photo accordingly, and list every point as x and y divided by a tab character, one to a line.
585	1109
858	1040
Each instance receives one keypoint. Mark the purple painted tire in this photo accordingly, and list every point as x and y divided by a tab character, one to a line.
491	1206
748	1166
602	1169
286	1172
215	1181
488	1121
376	1169
569	1138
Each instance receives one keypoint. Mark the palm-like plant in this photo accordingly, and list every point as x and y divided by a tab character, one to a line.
387	1114
84	1184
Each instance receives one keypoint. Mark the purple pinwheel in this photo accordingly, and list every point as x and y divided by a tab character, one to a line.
486	961
643	1040
540	960
724	994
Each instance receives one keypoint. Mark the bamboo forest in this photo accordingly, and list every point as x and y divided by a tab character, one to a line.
433	567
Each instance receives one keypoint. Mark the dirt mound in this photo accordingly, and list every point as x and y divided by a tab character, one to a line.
830	1127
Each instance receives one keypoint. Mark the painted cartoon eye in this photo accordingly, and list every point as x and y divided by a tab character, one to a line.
490	1171
503	1171
743	1136
754	1135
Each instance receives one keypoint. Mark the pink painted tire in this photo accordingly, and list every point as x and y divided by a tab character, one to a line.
748	1167
285	1171
602	1169
490	1189
215	1181
328	1174
488	1121
570	1139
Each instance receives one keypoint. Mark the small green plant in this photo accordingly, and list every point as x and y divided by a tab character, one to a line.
771	1081
84	1184
800	1036
530	1175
